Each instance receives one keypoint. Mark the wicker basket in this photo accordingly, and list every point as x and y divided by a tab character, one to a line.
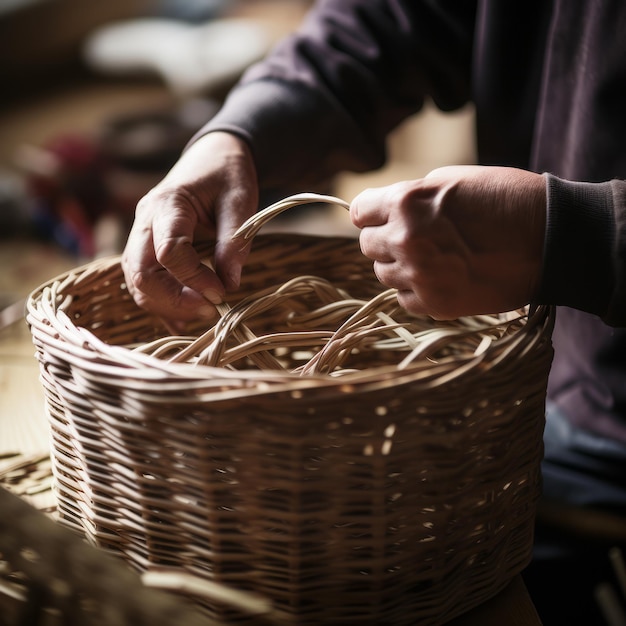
401	491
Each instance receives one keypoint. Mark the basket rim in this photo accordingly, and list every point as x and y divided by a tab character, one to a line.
48	319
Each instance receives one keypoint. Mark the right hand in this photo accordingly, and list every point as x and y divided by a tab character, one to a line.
208	194
464	240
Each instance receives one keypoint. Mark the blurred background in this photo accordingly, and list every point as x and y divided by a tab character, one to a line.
99	98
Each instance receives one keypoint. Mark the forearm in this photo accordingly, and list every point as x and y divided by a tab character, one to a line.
296	136
327	97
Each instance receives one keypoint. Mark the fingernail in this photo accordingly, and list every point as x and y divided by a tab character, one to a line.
208	312
212	296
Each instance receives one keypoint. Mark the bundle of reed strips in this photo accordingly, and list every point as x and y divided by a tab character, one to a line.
318	446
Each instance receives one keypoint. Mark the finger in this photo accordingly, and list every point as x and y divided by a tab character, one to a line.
423	288
172	234
412	303
374	246
439	310
231	254
157	291
390	274
370	208
154	289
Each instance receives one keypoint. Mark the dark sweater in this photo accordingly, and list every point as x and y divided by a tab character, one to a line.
548	81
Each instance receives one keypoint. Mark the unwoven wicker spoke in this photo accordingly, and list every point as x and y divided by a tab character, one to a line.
404	337
333	311
368	310
209	347
430	342
211	344
241	332
360	319
366	314
337	350
353	337
324	290
247	308
164	347
436	339
273	341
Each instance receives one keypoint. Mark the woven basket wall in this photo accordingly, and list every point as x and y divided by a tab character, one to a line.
385	495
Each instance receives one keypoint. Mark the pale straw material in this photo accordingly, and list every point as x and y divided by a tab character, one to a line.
318	446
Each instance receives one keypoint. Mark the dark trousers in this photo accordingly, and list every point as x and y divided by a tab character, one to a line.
570	578
581	519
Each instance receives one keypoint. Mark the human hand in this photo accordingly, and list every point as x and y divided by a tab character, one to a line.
464	240
208	193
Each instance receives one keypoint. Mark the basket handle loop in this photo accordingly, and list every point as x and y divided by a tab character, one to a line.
254	223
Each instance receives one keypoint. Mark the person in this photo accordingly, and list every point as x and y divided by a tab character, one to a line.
540	219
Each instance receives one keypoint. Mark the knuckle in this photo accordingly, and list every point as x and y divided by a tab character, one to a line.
166	251
146	203
139	287
141	300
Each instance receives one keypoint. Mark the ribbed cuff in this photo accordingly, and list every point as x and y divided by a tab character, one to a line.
578	266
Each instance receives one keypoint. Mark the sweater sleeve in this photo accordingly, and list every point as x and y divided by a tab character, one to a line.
584	263
325	99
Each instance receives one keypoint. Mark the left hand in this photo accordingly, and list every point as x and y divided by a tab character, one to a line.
464	240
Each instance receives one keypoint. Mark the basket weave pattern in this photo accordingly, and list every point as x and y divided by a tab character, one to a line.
383	495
